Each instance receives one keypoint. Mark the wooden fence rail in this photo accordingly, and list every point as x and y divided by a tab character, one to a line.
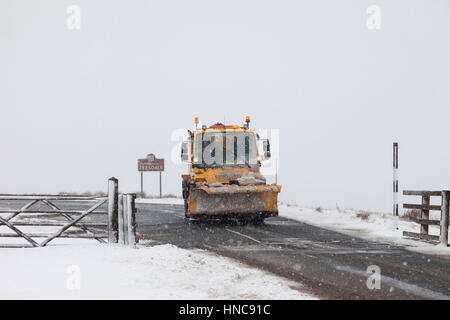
100	229
425	207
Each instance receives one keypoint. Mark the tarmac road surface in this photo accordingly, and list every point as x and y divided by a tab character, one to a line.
326	263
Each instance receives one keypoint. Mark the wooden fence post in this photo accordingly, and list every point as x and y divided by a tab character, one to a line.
444	218
113	210
131	218
425	214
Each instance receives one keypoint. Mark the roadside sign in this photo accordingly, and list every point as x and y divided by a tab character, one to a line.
150	163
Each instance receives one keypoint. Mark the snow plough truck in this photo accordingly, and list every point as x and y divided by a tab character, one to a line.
224	179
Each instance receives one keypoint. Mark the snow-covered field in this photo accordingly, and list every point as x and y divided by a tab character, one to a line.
118	272
101	271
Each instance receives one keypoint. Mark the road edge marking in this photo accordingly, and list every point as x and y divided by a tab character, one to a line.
245	236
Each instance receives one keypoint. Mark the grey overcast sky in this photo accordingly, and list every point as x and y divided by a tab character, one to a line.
79	106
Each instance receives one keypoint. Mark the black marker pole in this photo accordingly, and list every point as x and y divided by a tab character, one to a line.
395	183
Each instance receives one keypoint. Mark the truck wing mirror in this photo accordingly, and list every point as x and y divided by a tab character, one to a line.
185	151
266	149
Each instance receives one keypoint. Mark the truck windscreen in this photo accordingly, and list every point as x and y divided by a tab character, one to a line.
225	148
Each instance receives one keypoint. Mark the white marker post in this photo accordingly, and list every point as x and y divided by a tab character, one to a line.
395	184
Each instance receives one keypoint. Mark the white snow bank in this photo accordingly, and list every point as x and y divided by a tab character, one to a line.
161	200
374	226
118	272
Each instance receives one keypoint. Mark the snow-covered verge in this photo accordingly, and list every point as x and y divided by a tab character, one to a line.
101	271
161	200
374	226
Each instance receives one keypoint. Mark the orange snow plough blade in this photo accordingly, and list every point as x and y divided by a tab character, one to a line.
233	199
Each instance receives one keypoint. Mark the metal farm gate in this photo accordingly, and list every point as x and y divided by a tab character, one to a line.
111	219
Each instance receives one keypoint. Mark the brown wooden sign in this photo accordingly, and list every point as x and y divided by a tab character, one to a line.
150	163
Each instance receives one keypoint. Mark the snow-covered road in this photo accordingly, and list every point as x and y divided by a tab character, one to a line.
282	259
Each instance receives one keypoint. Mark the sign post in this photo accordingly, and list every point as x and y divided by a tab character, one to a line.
151	163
